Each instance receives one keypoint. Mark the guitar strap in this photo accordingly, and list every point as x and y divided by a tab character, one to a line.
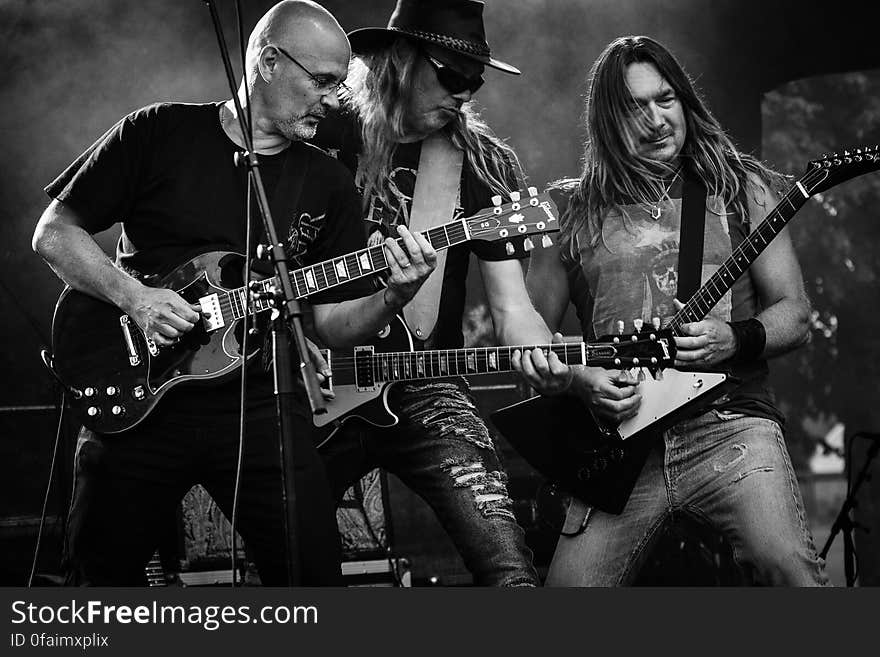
434	198
691	234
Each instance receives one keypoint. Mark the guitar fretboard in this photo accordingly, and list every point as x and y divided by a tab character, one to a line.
408	365
337	271
741	259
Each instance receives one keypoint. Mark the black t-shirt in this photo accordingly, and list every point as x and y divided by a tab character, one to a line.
166	173
341	137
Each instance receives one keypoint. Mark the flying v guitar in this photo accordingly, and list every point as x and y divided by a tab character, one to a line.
600	464
116	376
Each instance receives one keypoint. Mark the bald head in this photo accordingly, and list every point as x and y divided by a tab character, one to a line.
296	57
299	26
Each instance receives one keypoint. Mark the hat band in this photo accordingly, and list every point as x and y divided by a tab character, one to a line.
453	43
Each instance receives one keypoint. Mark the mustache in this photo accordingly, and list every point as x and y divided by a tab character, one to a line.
657	135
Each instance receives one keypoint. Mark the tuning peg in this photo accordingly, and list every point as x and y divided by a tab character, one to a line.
655	322
533	191
496	200
638	323
508	247
514	196
641	375
528	244
546	241
620	326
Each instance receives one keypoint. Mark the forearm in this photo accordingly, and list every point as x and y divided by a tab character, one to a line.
80	262
786	325
349	323
520	326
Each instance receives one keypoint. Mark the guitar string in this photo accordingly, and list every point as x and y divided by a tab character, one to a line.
700	297
453	233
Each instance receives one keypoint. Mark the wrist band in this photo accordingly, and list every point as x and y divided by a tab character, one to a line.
751	338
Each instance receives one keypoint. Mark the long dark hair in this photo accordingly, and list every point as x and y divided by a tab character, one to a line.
615	174
381	84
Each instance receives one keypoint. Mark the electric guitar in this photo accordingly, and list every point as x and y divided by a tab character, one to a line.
600	463
361	381
116	375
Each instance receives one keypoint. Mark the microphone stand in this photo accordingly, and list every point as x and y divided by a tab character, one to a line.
843	522
290	314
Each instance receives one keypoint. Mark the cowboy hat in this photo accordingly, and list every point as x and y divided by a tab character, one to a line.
456	25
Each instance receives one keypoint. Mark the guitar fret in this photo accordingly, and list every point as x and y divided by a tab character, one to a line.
299	283
377	254
341	269
311	284
364	261
320	276
238	310
329	274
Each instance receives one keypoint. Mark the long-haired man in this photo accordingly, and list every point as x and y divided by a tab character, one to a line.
411	84
725	465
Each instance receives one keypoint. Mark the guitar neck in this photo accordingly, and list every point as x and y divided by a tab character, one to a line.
437	363
741	259
338	271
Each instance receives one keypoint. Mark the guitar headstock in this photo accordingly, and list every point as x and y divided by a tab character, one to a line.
526	214
829	170
653	349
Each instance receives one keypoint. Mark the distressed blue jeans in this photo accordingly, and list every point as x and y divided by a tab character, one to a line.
729	471
442	450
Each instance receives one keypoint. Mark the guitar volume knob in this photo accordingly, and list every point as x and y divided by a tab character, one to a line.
93	411
118	411
112	391
90	391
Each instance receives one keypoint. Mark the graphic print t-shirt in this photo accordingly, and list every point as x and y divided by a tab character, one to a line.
632	272
166	173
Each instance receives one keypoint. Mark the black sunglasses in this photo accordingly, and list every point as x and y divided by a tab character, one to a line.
453	81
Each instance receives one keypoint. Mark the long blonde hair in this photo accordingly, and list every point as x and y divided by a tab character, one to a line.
381	85
615	174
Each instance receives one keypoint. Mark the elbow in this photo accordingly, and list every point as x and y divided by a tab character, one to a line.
804	324
41	241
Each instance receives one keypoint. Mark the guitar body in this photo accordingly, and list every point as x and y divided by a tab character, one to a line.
106	360
369	403
561	439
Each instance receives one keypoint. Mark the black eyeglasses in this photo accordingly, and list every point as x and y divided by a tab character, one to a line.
453	81
324	84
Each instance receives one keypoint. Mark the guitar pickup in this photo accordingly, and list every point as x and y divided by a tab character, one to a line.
211	313
364	375
134	357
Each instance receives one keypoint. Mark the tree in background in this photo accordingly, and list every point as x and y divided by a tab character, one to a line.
835	377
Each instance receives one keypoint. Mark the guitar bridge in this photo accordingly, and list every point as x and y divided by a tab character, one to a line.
327	384
134	357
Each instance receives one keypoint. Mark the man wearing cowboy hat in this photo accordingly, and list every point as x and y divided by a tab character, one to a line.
417	147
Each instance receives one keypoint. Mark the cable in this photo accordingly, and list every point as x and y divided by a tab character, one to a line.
247	313
63	402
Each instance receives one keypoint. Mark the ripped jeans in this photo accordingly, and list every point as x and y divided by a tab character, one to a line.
727	470
442	450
